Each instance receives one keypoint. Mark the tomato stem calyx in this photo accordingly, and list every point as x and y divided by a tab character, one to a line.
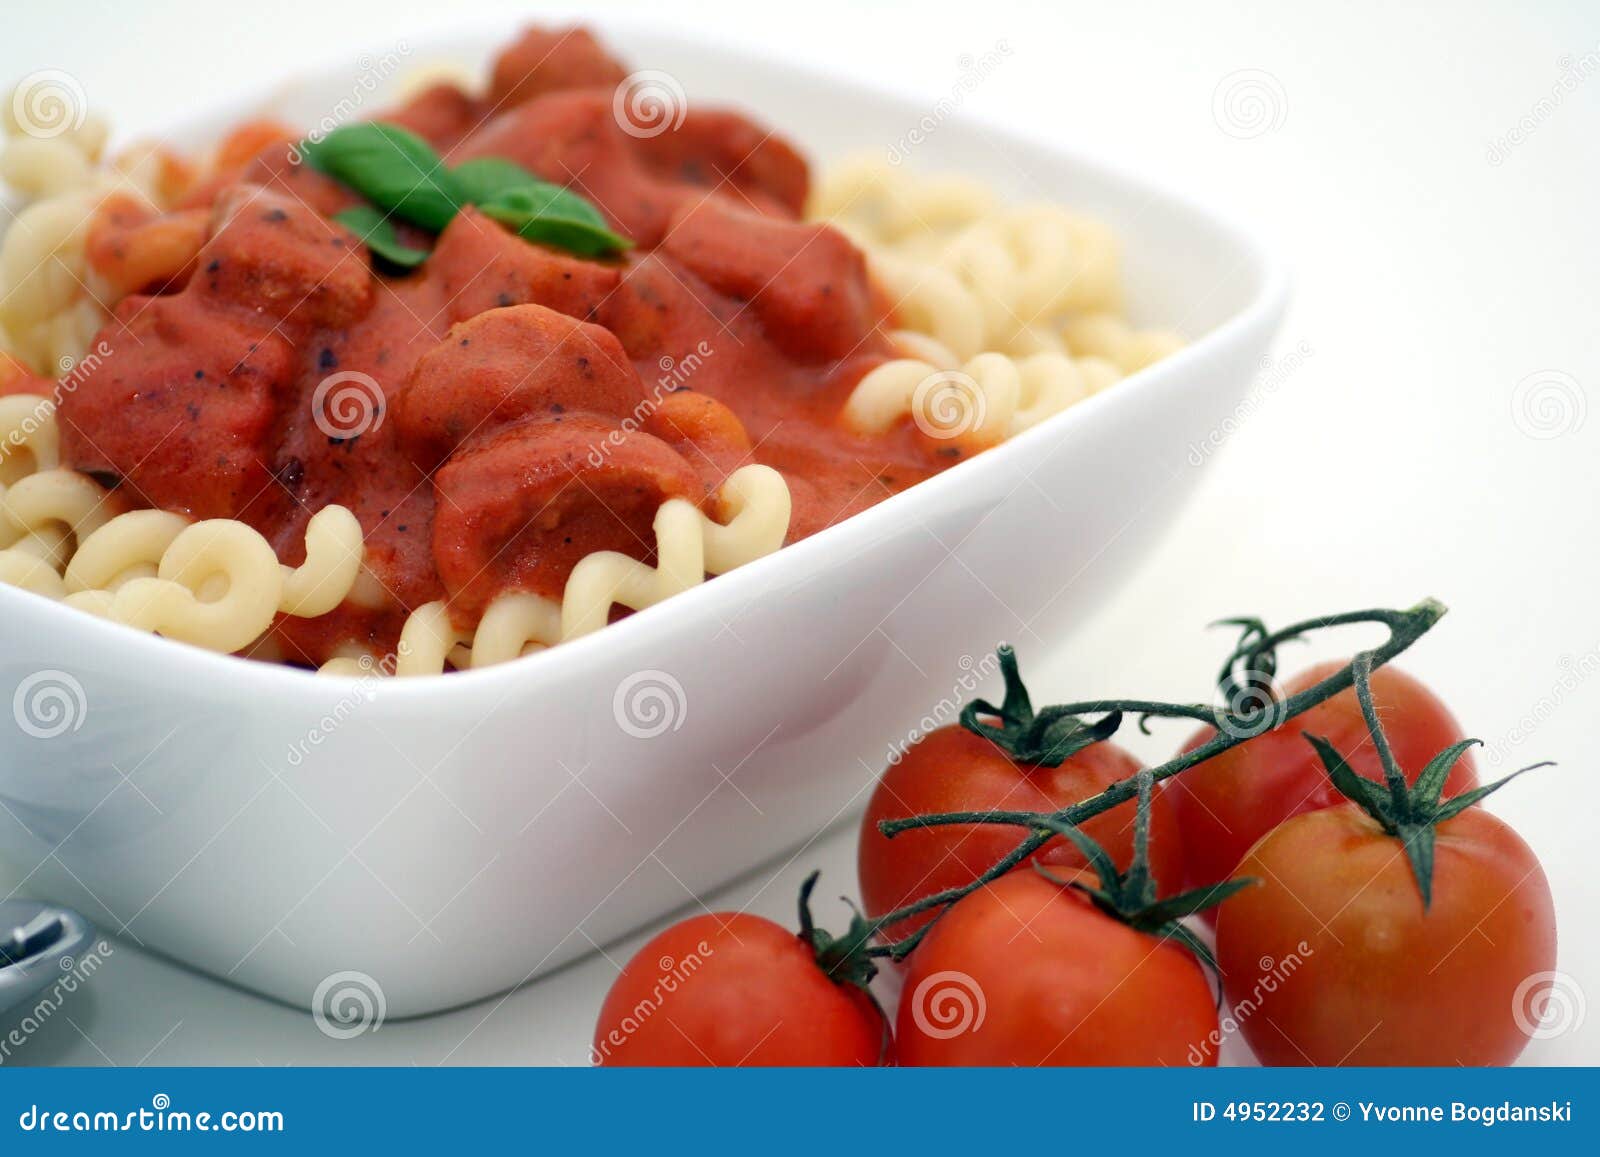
1409	813
1130	897
1045	740
845	958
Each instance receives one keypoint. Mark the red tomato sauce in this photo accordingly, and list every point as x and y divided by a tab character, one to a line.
527	407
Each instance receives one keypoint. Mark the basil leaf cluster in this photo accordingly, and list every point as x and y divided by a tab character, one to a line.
403	177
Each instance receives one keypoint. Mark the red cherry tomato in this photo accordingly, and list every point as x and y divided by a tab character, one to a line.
1025	971
1331	958
1228	803
954	770
730	989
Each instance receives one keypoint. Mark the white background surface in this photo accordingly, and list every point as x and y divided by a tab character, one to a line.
1400	459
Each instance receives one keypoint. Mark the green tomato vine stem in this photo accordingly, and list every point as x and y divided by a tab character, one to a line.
1233	726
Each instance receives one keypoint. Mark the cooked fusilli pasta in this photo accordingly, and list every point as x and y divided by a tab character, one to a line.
989	398
883	204
1008	314
217	584
1105	335
51	304
752	521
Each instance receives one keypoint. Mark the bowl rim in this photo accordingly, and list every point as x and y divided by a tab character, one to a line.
642	630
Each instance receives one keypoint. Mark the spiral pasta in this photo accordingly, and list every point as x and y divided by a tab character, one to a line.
884	204
753	519
29	440
1024	271
689	545
217	584
932	303
1107	336
171	604
989	398
50	511
1009	313
51	304
127	547
333	560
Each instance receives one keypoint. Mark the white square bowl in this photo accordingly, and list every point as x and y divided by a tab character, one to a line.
453	837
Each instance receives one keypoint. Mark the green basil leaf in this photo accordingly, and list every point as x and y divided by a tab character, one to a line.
393	168
490	179
555	216
402	175
536	209
556	201
578	237
484	178
378	234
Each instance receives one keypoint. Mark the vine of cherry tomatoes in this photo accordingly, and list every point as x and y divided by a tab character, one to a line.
1050	899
